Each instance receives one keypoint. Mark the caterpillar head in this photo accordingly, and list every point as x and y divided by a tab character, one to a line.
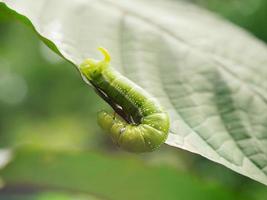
91	68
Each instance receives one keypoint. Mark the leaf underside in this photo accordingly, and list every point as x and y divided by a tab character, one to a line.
209	74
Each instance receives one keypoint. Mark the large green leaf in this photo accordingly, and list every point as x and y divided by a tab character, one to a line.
209	74
107	177
37	195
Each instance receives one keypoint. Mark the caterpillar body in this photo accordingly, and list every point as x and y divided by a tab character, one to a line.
139	124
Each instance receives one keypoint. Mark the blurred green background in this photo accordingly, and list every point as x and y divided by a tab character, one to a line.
47	109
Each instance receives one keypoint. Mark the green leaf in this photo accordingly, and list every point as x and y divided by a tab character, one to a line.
209	74
36	195
106	176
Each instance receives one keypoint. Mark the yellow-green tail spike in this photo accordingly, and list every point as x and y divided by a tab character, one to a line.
106	54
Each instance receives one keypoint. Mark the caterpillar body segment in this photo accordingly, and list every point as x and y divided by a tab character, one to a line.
140	123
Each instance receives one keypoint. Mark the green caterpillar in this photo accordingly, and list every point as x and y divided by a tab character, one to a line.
139	124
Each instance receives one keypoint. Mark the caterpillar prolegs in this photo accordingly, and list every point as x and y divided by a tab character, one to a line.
139	124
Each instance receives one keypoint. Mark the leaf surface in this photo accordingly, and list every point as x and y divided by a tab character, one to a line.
209	74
